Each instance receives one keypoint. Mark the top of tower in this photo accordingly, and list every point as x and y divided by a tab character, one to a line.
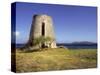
41	15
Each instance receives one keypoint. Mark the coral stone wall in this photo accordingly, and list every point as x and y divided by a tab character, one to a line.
37	28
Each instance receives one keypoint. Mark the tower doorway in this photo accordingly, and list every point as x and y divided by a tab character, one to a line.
43	29
43	33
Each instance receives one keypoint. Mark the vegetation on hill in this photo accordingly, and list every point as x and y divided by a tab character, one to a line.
55	59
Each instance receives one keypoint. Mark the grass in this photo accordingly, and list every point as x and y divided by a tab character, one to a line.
55	59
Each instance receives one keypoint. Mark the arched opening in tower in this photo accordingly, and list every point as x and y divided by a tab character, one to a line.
43	33
43	29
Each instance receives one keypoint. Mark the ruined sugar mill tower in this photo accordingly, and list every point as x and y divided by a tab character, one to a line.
42	25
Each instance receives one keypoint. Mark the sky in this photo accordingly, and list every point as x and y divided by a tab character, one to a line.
71	23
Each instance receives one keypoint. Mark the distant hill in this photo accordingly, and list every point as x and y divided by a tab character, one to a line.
79	43
84	42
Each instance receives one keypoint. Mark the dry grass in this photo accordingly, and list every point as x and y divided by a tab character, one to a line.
55	59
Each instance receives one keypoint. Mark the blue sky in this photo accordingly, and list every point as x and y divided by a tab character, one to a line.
71	23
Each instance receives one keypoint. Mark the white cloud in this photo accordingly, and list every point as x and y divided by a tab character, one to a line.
17	33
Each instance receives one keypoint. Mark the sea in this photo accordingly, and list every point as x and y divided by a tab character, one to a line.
70	46
81	46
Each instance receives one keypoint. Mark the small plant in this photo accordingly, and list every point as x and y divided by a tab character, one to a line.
43	41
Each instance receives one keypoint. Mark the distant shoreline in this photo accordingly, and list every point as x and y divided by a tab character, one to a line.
70	46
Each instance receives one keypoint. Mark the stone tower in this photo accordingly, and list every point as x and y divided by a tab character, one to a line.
42	25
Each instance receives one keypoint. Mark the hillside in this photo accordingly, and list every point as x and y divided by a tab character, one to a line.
55	59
